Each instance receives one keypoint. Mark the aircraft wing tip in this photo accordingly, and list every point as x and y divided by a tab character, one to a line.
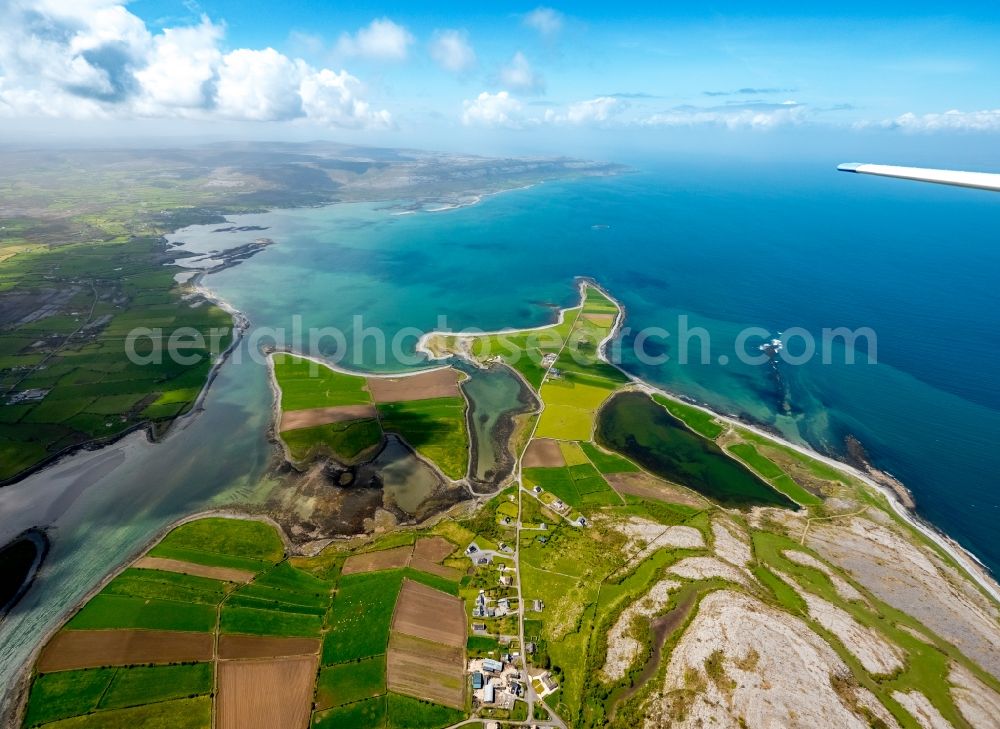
850	166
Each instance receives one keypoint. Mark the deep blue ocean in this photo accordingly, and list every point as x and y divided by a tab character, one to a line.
726	247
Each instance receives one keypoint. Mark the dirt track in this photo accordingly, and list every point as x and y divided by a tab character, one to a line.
92	648
266	694
439	383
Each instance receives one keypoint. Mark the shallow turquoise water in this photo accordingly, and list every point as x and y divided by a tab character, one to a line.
773	247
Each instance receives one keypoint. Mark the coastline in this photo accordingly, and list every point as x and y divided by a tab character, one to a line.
965	559
156	432
15	695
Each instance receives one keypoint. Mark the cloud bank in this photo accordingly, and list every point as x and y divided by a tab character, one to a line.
84	59
987	120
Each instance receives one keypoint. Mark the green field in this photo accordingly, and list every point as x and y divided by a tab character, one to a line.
139	685
436	428
306	384
409	713
244	538
773	473
361	616
119	611
364	714
580	486
193	713
700	421
345	441
251	621
281	601
159	585
65	694
346	683
607	462
570	408
388	712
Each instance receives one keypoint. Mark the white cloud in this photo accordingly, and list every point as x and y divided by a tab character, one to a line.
382	40
181	68
452	51
94	59
762	116
258	85
987	120
593	111
493	110
332	98
519	75
545	20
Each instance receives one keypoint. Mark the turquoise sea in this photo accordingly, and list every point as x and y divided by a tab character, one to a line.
772	247
725	246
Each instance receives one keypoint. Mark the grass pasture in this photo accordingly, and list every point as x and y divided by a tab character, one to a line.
701	422
346	441
607	462
194	713
66	694
435	428
581	486
239	620
361	616
160	585
137	685
364	714
346	683
105	611
244	538
307	384
769	470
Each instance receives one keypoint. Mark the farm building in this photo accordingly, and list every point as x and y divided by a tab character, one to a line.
477	680
492	666
489	693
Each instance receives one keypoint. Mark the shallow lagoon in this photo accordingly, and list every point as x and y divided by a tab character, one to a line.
635	426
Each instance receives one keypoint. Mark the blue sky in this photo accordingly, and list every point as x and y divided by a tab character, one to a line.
494	77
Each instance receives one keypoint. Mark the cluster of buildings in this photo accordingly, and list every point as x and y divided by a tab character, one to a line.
496	683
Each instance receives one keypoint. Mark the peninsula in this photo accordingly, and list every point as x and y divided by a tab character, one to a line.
640	561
